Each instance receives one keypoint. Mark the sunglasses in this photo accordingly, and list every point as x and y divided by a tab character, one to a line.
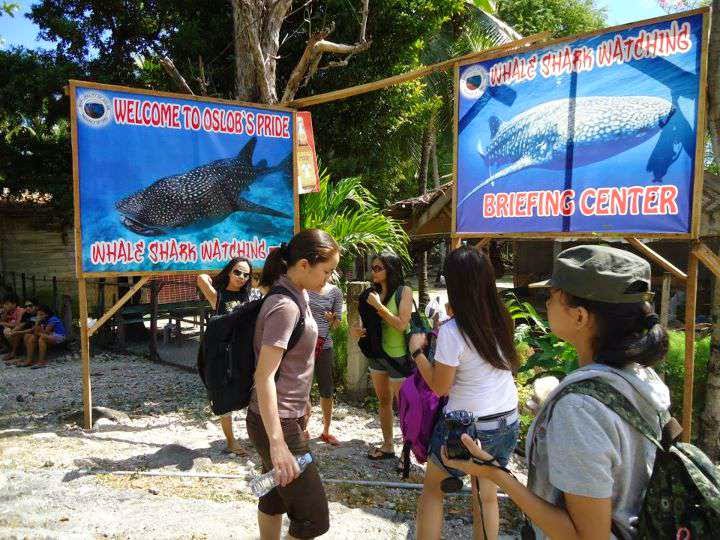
241	274
377	268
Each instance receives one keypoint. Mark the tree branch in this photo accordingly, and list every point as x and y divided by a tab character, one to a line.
169	67
317	45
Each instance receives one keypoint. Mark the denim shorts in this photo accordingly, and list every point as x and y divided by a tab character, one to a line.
381	365
499	443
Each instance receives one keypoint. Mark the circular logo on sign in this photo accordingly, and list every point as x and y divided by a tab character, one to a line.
473	82
94	108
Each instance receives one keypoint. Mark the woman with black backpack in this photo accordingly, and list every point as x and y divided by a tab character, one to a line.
283	377
588	467
230	288
392	301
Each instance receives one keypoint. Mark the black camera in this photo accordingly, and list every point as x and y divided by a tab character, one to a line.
457	423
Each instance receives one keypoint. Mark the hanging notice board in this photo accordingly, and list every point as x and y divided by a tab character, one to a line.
168	183
596	134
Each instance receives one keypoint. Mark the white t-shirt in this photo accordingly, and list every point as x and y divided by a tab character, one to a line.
478	387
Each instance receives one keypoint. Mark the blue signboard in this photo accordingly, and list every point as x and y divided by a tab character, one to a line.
594	135
170	184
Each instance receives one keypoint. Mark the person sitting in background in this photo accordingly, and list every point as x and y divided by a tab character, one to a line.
16	337
49	331
11	318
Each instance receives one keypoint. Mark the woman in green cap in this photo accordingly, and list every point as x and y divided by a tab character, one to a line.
588	468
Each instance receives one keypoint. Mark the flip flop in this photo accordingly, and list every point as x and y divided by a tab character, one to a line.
375	454
330	439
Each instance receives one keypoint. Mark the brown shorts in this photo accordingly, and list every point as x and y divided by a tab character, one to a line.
303	500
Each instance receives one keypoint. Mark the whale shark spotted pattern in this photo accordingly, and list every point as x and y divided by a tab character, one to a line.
209	192
602	126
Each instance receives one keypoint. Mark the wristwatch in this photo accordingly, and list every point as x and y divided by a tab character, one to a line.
417	352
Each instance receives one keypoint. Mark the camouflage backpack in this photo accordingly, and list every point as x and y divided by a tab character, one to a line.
682	500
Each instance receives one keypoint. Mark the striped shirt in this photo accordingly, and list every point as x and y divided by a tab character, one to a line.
331	299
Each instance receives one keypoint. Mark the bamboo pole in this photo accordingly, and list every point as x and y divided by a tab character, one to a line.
345	93
483	242
657	258
708	258
120	303
85	353
690	309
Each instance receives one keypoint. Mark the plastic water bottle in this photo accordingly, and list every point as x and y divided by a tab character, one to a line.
265	483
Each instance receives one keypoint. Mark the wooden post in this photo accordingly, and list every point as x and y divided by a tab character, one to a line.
455	242
33	287
665	299
690	305
154	293
656	258
14	283
85	352
55	293
24	285
356	375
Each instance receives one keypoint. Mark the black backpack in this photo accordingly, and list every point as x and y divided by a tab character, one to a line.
226	356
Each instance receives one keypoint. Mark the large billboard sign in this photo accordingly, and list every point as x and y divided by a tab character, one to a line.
170	183
599	134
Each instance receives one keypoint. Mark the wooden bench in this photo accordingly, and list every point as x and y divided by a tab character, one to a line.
176	312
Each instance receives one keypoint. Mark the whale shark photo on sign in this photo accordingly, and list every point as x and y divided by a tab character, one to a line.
602	132
145	185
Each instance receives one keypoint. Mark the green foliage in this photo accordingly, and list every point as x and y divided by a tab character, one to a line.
550	355
9	8
35	142
350	213
340	341
559	17
673	367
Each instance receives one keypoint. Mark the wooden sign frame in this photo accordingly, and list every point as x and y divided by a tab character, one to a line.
85	331
696	206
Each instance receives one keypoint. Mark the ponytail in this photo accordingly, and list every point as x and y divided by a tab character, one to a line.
626	333
275	266
313	245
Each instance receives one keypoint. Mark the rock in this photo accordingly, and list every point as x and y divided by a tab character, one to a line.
48	464
153	491
20	398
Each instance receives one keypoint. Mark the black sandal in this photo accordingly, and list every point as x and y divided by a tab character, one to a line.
376	454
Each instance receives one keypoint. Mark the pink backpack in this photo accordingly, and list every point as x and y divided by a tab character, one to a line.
418	408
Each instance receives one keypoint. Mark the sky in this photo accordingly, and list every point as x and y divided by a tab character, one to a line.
19	30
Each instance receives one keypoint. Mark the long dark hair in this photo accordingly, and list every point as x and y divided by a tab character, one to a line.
313	245
479	312
221	280
393	272
625	333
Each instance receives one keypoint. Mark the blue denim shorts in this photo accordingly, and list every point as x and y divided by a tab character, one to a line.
499	443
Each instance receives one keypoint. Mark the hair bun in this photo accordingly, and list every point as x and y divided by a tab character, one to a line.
283	251
651	320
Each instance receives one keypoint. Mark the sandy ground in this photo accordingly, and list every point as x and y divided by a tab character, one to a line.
54	481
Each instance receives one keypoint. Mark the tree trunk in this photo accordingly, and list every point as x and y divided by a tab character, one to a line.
710	429
257	40
427	142
435	169
713	83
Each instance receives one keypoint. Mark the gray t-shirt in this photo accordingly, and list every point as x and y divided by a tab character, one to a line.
275	324
331	299
588	450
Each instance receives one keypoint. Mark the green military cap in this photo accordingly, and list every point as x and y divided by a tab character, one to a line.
602	274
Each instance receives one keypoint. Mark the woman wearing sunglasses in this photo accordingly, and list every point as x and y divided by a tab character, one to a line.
388	375
229	289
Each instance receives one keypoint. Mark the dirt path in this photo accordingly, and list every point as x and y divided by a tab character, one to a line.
46	490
